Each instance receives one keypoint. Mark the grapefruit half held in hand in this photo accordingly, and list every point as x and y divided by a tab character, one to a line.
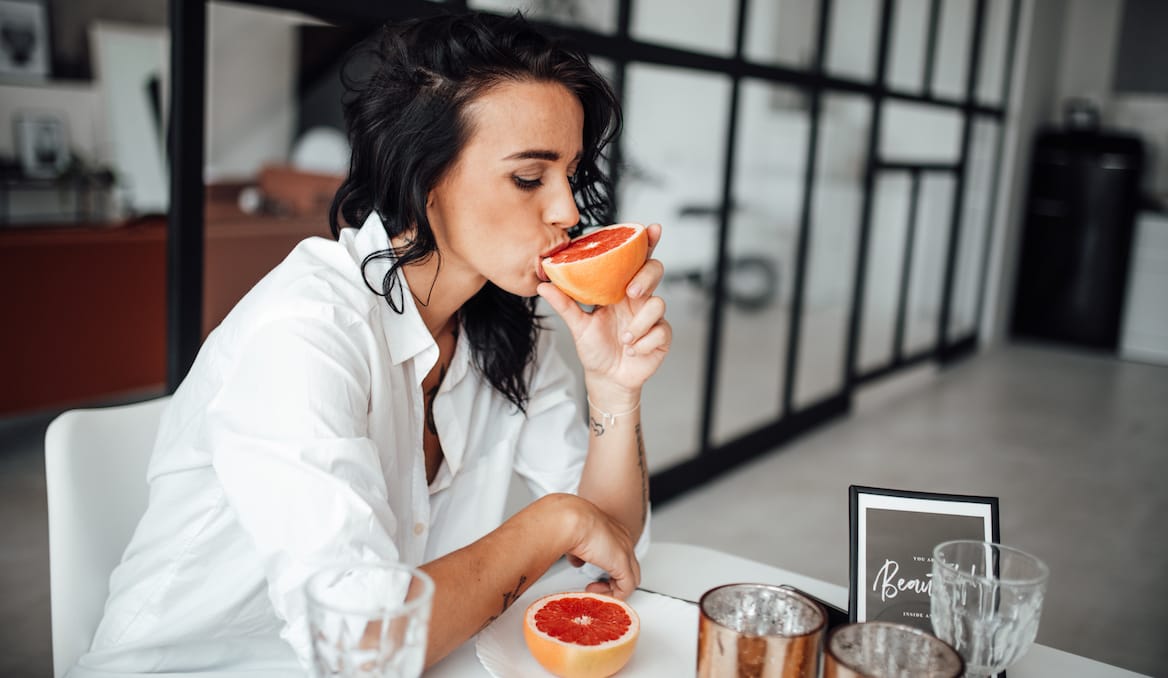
595	268
581	634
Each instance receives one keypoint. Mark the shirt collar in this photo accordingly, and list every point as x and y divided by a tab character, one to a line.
406	333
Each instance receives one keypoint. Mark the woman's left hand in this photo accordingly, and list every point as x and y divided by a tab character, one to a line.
621	344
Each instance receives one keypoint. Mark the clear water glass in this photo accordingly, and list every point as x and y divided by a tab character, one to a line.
986	601
369	620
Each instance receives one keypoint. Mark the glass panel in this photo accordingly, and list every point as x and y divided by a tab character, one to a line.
890	211
274	134
920	133
910	39
662	178
782	32
769	170
597	15
852	43
701	26
954	32
976	216
996	35
831	254
927	277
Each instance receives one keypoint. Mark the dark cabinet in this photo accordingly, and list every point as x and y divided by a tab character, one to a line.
1080	216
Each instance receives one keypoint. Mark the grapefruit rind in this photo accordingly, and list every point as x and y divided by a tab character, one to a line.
600	279
571	660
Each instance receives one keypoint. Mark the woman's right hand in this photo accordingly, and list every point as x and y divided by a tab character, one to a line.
592	536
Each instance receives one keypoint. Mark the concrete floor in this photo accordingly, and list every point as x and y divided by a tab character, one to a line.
1075	445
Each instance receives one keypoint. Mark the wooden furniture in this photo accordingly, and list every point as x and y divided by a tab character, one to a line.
84	307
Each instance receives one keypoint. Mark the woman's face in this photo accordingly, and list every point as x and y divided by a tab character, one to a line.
507	201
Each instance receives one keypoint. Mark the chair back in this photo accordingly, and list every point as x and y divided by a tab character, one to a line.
95	479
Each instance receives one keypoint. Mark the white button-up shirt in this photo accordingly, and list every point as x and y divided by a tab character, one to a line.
296	442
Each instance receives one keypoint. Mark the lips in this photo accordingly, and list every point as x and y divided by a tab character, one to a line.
551	252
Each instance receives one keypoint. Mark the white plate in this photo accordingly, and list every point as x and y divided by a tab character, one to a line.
667	646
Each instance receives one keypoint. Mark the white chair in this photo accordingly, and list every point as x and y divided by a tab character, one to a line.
95	477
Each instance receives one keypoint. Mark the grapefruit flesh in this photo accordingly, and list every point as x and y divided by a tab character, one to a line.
581	635
596	268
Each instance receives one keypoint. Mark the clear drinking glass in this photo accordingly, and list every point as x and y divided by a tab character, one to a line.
986	601
369	620
883	650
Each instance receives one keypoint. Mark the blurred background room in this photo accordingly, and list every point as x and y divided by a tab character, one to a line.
917	244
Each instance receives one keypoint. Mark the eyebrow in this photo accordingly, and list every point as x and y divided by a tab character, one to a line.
538	154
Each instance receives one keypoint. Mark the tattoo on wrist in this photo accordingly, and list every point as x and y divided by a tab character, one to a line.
509	597
644	475
596	425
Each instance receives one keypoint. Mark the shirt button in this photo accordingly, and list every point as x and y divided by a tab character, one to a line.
419	528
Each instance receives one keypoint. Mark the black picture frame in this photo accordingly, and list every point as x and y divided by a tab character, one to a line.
25	52
42	141
898	529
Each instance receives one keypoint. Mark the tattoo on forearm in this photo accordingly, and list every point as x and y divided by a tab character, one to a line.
644	475
597	427
509	597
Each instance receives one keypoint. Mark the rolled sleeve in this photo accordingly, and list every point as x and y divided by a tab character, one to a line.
289	444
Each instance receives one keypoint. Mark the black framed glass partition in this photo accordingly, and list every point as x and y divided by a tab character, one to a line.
825	171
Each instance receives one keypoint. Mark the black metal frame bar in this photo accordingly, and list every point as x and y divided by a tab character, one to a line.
186	228
874	165
714	335
910	240
931	48
798	282
958	205
1007	83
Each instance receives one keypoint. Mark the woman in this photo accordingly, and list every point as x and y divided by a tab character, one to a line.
371	397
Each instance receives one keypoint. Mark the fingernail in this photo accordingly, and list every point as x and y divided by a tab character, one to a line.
634	290
627	338
629	351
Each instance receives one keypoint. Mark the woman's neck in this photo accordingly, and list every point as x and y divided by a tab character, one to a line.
439	291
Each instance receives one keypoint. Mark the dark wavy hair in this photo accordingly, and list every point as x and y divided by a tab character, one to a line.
406	94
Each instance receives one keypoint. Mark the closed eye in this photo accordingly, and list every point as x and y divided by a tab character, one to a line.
526	184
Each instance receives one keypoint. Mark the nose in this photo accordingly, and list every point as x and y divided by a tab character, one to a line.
560	210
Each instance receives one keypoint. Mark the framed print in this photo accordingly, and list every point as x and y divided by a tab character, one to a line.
43	143
24	40
893	533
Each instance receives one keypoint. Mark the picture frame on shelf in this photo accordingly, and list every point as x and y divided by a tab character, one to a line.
24	40
893	533
42	140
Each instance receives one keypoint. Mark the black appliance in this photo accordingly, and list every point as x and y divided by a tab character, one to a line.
1080	216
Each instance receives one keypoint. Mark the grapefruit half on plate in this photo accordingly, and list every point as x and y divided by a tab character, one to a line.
595	268
581	634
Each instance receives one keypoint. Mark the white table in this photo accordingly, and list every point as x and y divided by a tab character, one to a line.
687	571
